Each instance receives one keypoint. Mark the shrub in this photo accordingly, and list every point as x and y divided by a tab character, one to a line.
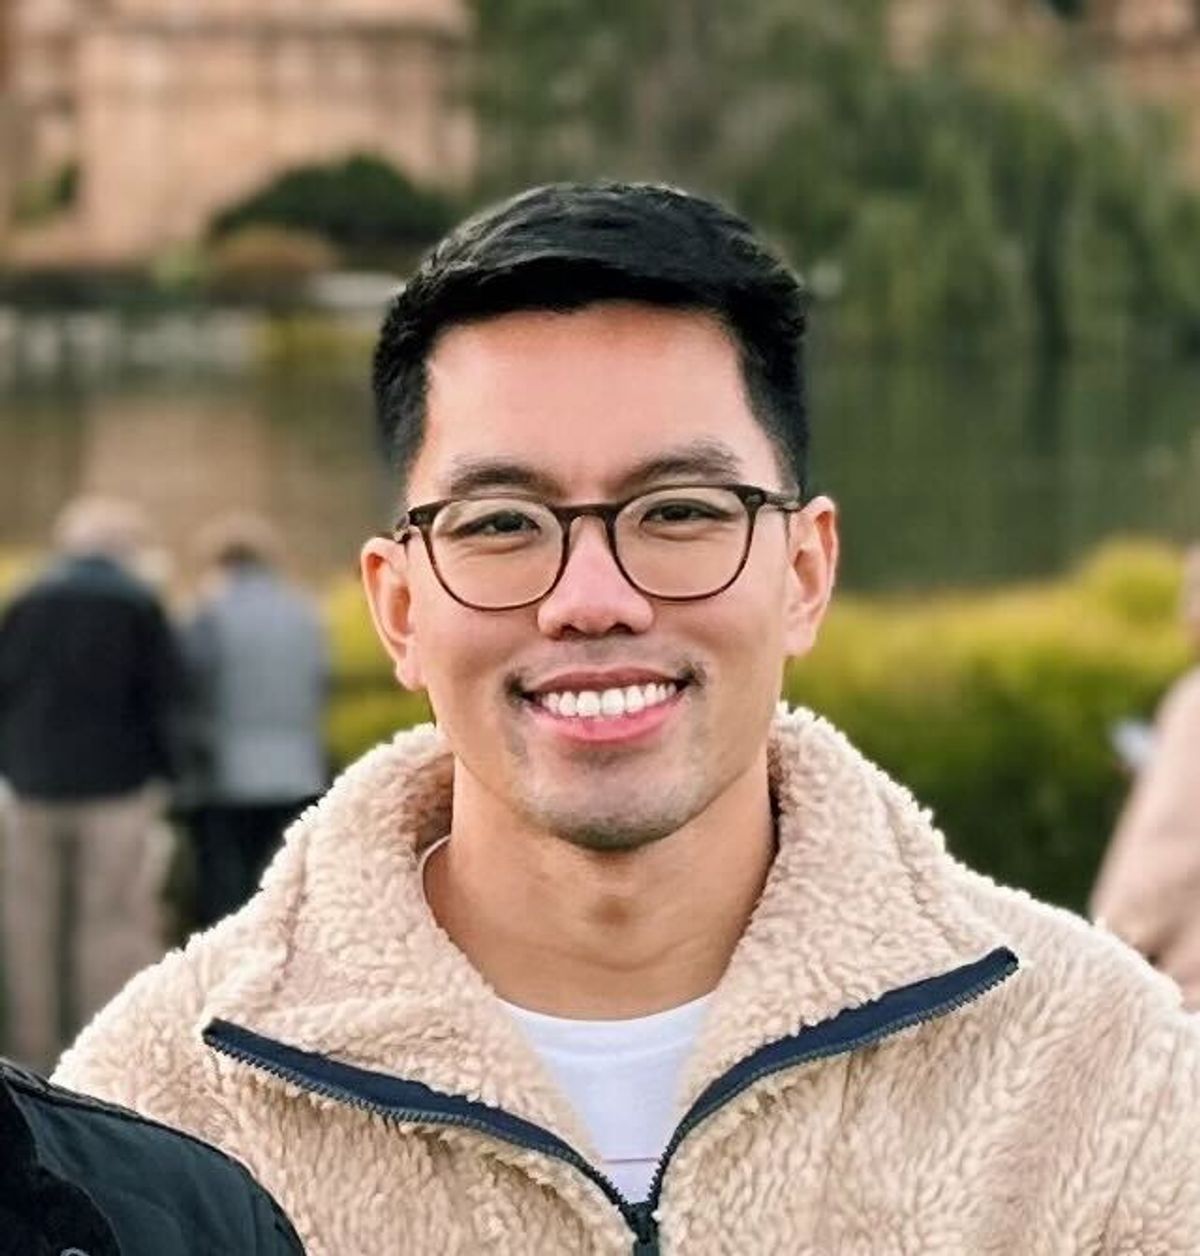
362	204
368	704
995	709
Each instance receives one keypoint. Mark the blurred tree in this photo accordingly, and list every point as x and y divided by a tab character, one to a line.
362	205
996	189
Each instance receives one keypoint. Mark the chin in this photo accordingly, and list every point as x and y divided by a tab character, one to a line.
613	831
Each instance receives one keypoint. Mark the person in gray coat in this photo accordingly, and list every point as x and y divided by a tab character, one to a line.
257	661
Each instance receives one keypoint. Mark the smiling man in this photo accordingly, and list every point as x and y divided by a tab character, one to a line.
621	956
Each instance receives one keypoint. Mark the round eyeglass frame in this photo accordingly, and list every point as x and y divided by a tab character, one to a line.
754	499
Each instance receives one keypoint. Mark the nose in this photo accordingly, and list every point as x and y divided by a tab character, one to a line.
592	597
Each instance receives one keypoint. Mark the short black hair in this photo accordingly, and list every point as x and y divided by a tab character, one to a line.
568	245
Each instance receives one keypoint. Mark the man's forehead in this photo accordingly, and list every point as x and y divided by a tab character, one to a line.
590	402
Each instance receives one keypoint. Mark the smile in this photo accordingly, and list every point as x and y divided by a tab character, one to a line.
591	704
615	715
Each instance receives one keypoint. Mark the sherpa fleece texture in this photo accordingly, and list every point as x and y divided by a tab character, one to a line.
1059	1113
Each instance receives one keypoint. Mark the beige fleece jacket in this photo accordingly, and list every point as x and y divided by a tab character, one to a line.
907	1091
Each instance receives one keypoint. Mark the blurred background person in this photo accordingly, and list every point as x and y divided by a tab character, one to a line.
90	681
258	667
1148	890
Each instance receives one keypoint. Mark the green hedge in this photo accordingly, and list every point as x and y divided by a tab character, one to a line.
994	708
369	704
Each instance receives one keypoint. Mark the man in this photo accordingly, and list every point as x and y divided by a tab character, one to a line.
687	974
1148	891
83	1178
259	671
89	682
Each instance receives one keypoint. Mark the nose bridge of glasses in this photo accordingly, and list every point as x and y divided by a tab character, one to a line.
573	525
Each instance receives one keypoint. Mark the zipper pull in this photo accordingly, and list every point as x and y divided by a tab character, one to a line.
645	1229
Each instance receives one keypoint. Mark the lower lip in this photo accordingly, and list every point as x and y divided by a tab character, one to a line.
607	728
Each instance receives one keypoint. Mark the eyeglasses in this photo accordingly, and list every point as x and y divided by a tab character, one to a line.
677	544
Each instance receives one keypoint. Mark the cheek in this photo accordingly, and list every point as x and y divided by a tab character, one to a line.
464	655
743	633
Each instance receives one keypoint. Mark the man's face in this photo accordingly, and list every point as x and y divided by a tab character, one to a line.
576	408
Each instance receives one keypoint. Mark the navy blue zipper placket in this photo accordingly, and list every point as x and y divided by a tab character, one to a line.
850	1030
276	1058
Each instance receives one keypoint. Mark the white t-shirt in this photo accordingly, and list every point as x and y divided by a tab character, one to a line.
622	1078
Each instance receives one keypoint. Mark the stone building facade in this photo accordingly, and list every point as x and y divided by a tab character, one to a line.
171	109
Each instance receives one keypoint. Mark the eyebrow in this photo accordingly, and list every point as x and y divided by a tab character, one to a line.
702	459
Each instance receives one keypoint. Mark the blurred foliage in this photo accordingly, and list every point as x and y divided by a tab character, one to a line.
266	264
304	342
368	704
996	190
126	289
993	708
38	200
15	566
363	205
180	268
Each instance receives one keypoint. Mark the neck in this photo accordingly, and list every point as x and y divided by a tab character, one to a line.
602	935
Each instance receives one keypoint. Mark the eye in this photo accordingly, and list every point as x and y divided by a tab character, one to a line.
683	511
497	523
678	512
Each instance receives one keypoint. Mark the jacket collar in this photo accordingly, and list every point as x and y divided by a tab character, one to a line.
340	955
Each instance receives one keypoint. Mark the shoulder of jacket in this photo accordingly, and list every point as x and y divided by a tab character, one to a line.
1073	970
143	1050
110	587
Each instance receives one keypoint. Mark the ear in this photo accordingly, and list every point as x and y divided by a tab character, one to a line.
813	555
385	577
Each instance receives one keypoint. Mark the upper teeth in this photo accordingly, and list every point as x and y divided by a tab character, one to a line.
591	703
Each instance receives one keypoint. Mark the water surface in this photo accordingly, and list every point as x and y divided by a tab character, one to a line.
947	473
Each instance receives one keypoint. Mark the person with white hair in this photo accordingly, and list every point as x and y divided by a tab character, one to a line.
89	681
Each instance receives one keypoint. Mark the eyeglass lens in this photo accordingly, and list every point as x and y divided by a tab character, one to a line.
673	542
